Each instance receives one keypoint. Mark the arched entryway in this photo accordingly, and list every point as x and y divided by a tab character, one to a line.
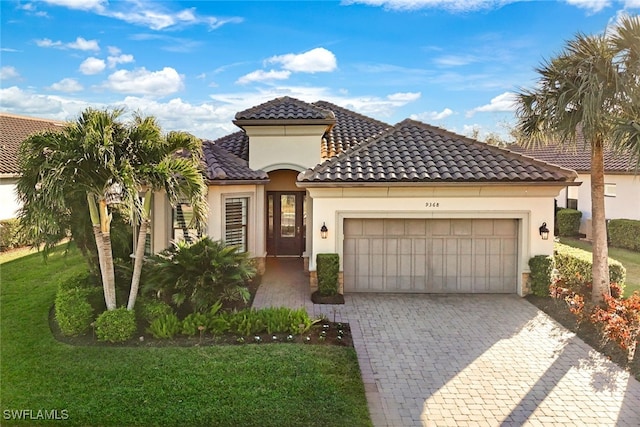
285	214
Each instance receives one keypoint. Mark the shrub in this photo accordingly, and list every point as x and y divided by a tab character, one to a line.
84	280
568	222
116	325
192	324
9	237
327	269
73	312
574	266
199	273
166	326
624	233
151	309
541	269
620	322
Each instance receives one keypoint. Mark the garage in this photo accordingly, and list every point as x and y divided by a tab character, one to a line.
430	255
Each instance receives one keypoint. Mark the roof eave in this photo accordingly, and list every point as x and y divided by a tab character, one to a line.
326	184
237	181
282	122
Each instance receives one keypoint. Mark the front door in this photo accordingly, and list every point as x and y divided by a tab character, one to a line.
285	223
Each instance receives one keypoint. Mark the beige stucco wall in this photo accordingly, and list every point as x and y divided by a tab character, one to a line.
9	203
530	205
284	147
625	204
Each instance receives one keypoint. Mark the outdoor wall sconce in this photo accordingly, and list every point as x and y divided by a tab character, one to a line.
324	231
544	231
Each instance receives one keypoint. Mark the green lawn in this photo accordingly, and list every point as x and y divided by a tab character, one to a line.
629	259
251	385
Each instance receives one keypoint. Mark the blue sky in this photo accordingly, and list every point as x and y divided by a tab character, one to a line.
193	65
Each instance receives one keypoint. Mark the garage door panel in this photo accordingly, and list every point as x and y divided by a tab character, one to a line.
430	255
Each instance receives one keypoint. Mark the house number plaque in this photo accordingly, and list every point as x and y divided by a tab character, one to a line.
432	205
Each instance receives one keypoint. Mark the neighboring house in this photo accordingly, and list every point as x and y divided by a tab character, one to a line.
622	184
408	208
13	130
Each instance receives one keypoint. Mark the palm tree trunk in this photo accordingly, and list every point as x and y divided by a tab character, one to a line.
100	246
600	270
137	266
109	276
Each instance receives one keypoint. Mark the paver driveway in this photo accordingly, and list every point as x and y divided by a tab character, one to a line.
482	360
467	359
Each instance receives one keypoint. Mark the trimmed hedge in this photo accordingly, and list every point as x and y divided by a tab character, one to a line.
624	233
568	222
576	264
540	276
116	325
9	237
327	269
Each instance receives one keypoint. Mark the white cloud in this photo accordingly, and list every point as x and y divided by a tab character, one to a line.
313	61
17	101
79	44
8	72
430	116
151	14
95	5
504	102
261	76
455	60
119	59
592	6
450	5
144	82
67	85
92	65
632	4
404	97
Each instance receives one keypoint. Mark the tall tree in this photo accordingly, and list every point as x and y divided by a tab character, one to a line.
96	163
588	94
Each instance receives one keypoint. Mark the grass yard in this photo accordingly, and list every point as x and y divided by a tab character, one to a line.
629	259
250	385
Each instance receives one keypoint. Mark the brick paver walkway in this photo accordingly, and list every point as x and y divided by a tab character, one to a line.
492	360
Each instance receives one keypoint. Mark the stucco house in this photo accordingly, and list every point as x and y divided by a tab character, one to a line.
13	130
408	208
622	184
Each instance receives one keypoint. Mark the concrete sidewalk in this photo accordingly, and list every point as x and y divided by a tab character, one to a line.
466	359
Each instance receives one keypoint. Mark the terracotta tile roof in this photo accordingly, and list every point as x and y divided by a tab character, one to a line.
221	165
412	151
578	158
15	129
284	109
350	129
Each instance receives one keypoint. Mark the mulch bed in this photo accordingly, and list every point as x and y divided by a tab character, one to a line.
559	311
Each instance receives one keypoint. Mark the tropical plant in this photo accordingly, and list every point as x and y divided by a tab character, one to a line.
75	180
73	311
588	94
116	325
200	272
166	326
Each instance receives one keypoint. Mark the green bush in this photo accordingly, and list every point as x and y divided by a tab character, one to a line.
624	233
150	309
200	273
192	323
9	237
328	269
541	269
166	326
116	325
84	280
568	222
574	265
73	312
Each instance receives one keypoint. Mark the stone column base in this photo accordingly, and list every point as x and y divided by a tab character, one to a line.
526	287
261	265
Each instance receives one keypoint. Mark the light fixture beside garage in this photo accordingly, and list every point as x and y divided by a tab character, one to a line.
544	231
324	231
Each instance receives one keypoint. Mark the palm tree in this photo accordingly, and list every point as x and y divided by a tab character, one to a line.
589	90
95	164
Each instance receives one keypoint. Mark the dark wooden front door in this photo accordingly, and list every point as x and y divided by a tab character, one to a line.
285	223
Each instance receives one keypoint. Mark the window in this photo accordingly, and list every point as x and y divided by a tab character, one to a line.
182	216
236	222
610	190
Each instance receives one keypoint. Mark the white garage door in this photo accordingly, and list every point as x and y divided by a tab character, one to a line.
430	255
